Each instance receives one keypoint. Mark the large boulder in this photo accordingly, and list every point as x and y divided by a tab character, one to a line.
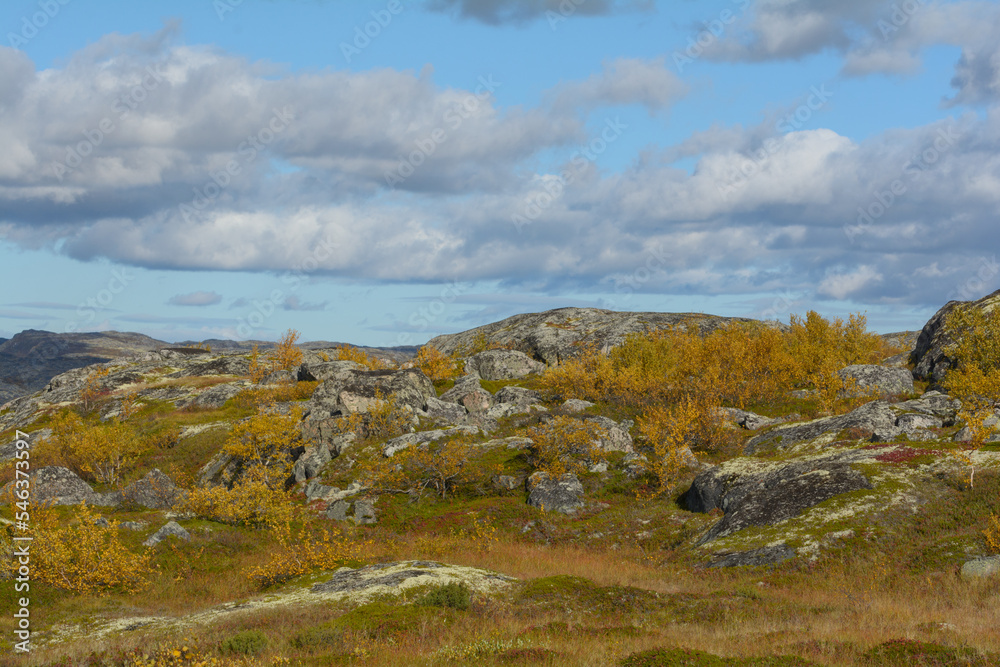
154	491
881	380
870	419
311	462
322	371
929	357
354	391
502	365
614	436
559	334
468	393
933	403
756	494
169	529
564	494
57	485
518	396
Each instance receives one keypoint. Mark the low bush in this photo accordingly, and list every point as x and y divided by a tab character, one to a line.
247	642
454	595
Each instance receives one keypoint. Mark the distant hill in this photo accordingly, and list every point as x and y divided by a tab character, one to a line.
31	358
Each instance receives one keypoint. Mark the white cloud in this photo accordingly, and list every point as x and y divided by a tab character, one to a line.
195	299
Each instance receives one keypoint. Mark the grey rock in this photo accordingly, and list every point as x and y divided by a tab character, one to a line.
281	377
316	490
57	485
912	421
748	420
311	462
134	525
615	438
933	403
510	482
337	510
445	411
354	391
502	365
930	359
170	529
228	364
518	396
327	433
348	580
869	418
327	370
756	557
576	405
154	491
555	495
981	567
771	494
216	397
879	379
364	512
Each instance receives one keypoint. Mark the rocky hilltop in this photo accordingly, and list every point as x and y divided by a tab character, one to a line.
557	334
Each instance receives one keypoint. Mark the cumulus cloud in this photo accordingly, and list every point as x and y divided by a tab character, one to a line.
195	299
758	212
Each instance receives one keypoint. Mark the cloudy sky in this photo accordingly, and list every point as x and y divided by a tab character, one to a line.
381	172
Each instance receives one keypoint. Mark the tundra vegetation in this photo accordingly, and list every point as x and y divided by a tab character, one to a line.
624	578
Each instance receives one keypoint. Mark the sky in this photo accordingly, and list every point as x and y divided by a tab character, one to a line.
382	172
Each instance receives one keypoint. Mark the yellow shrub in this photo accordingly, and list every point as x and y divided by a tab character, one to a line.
992	534
83	557
436	365
314	546
442	466
669	431
385	418
264	441
358	356
285	356
102	451
587	376
94	387
252	501
564	444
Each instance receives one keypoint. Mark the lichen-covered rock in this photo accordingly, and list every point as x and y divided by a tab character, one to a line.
502	365
311	462
868	419
931	362
883	381
555	495
407	440
933	403
576	405
154	491
981	567
353	391
322	371
216	397
170	529
445	411
769	555
468	393
615	437
394	578
518	396
748	420
764	494
57	485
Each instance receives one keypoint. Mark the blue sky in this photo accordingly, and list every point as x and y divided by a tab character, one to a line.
381	172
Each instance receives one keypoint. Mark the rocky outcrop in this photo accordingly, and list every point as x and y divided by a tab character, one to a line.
756	494
929	357
871	418
558	334
878	380
351	391
564	494
614	437
770	555
154	491
502	365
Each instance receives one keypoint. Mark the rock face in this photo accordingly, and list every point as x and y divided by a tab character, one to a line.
756	557
769	494
349	391
929	356
879	379
871	418
502	365
58	485
555	495
556	334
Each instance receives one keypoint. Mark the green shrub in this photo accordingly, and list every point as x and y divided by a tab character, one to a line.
248	642
680	657
923	654
453	595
